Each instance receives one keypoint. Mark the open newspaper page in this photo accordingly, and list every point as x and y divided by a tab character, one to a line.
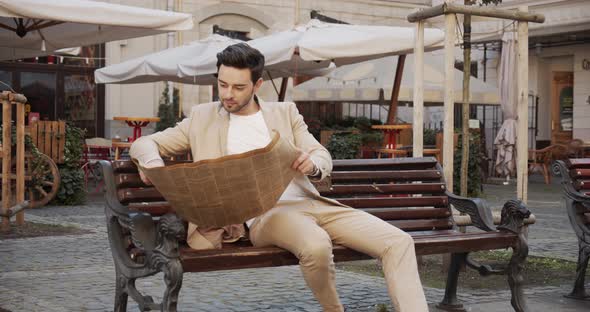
230	189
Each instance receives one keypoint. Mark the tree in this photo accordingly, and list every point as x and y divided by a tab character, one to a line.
466	78
168	112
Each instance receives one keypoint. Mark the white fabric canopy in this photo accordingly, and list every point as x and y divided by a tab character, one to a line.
46	26
505	141
317	44
363	81
163	65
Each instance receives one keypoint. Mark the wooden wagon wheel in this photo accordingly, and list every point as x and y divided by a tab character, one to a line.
42	180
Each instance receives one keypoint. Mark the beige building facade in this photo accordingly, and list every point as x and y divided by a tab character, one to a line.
255	18
557	47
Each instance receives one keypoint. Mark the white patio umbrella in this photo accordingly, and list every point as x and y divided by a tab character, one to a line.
31	28
363	82
505	141
163	65
316	45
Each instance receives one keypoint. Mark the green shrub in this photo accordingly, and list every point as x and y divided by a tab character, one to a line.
72	188
429	136
168	112
345	145
474	175
373	138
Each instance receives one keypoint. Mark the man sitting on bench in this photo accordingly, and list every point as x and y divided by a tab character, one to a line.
302	222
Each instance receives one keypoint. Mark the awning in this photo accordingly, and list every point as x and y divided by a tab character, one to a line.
364	81
31	28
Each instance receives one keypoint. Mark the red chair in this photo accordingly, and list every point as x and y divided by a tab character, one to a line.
95	149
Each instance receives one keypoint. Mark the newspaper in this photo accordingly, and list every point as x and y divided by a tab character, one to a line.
230	189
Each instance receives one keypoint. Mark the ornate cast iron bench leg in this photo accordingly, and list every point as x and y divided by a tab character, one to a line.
121	295
512	220
579	291
450	302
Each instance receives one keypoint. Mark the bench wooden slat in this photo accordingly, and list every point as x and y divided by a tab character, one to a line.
125	180
409	213
580	173
366	189
156	209
384	164
139	194
127	166
371	176
160	208
422	224
124	166
578	163
582	184
379	202
255	257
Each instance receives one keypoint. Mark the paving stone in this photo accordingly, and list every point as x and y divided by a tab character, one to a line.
76	273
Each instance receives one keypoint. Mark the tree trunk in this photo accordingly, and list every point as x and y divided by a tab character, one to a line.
465	121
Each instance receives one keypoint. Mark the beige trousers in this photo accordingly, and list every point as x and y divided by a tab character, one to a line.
307	229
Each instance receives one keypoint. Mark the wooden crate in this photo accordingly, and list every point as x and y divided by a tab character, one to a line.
50	138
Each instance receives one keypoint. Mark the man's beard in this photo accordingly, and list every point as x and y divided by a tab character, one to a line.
237	107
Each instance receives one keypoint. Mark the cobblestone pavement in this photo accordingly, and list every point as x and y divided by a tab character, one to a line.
75	273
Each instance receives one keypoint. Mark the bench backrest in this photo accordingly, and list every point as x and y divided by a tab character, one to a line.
578	170
408	192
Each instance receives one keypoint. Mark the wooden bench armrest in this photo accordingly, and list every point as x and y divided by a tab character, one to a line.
465	220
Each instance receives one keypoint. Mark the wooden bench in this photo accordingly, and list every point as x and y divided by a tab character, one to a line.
146	237
575	175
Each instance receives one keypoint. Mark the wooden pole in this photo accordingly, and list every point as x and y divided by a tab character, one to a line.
283	90
397	82
450	8
6	150
449	103
465	119
418	91
20	159
522	109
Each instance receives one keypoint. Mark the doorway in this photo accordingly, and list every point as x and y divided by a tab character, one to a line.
562	107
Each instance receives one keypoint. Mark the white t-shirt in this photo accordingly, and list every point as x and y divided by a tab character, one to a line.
250	132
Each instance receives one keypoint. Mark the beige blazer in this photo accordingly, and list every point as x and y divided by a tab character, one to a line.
204	133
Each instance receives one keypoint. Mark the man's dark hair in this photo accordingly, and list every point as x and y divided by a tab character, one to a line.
242	56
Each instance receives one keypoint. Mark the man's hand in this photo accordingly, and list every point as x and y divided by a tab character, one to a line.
150	164
144	179
304	164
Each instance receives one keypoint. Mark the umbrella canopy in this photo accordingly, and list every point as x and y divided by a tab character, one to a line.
310	49
163	65
363	82
31	28
505	141
316	45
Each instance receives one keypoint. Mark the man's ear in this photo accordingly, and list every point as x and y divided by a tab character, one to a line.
258	84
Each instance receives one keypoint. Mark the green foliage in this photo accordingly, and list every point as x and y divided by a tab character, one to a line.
488	2
71	190
381	308
168	112
429	137
29	146
345	145
357	133
474	174
372	138
314	126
